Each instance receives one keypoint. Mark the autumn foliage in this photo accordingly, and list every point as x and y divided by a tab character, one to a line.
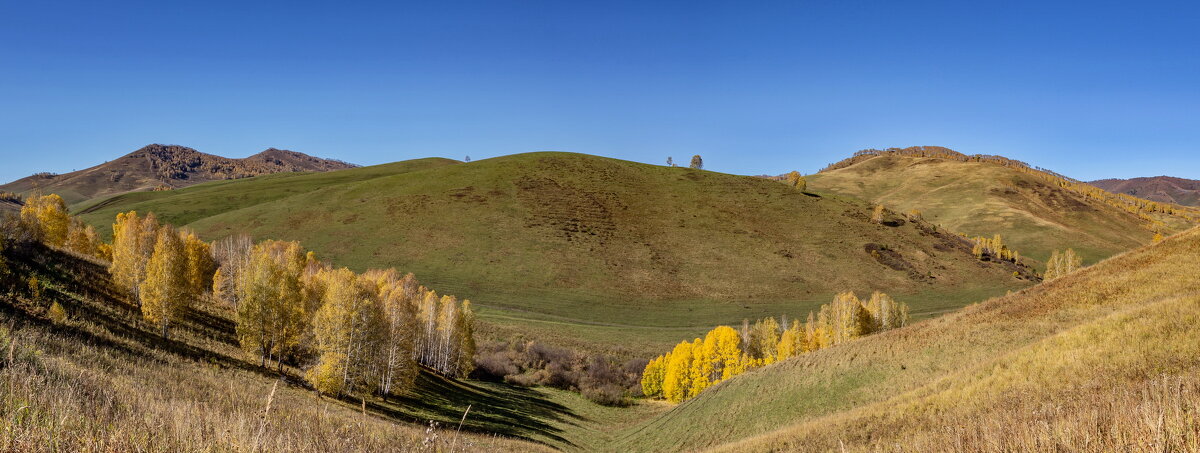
725	352
352	333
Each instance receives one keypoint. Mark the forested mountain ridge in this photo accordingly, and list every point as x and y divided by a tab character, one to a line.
1036	210
1166	189
157	167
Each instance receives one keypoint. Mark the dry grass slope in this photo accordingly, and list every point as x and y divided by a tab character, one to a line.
102	380
980	198
1106	359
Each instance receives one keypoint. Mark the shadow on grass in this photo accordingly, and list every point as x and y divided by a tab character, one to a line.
495	408
82	287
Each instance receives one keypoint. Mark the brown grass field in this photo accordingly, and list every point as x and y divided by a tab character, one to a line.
1105	359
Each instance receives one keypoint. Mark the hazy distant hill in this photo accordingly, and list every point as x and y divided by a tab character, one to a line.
166	166
1158	188
1035	210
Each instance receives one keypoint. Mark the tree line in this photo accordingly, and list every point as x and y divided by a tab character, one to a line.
725	352
993	248
352	333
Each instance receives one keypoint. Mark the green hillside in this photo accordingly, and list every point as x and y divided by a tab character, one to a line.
575	248
103	379
1105	359
1034	215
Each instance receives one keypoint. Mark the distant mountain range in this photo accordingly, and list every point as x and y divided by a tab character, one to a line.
166	167
1158	188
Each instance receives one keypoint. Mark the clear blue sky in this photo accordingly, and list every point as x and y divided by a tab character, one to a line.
1110	89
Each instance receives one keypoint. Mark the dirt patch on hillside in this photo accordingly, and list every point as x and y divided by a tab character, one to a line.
575	215
892	259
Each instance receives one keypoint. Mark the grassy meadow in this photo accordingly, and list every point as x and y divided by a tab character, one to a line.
104	380
588	251
1105	359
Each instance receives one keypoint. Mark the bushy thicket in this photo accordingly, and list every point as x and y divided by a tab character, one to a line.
529	363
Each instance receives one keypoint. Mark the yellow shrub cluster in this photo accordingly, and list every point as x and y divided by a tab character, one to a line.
724	352
45	218
994	248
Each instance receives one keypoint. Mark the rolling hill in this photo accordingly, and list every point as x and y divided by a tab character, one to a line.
1166	189
1105	359
165	166
103	379
1034	210
574	248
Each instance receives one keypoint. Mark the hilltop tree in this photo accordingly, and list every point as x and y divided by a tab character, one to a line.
796	180
165	292
670	161
697	162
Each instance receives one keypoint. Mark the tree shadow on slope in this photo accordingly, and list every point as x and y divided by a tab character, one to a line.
495	408
101	317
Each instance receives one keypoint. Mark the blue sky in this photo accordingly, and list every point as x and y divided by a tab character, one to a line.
1110	89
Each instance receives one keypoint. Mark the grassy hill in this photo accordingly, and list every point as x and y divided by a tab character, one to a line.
1105	359
980	198
102	379
165	166
579	248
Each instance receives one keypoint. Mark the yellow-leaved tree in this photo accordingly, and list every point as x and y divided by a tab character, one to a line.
270	313
349	329
653	375
677	381
133	242
796	180
47	218
398	368
200	264
165	292
1061	264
